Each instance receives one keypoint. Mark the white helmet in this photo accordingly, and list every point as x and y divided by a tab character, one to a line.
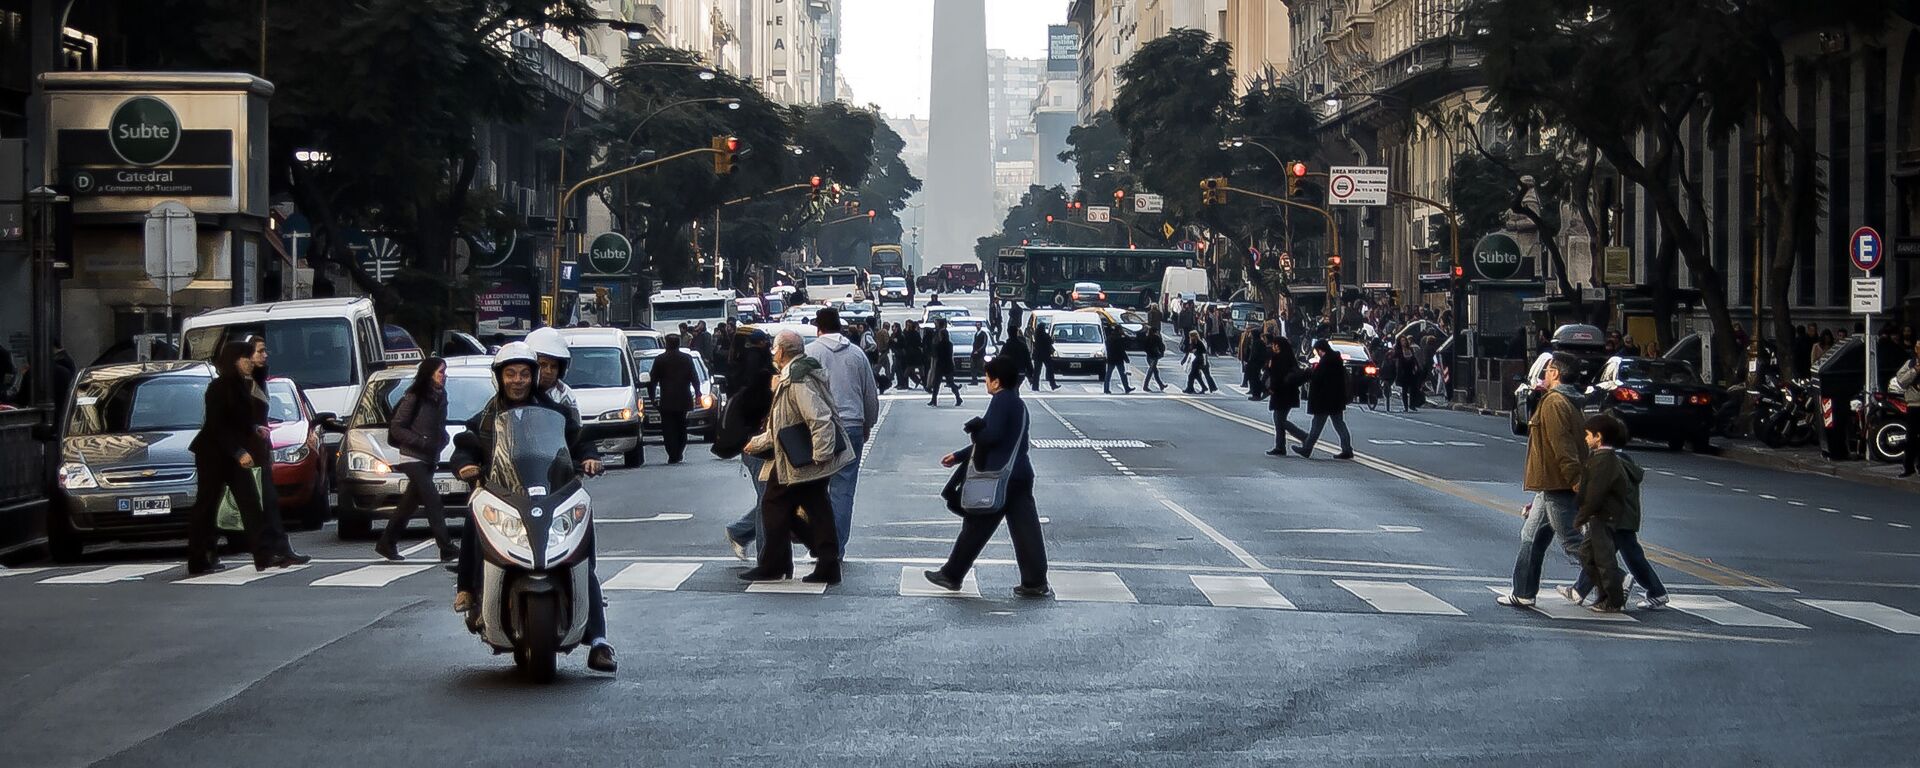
547	342
514	352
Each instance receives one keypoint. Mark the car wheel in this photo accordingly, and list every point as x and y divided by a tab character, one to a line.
355	526
63	543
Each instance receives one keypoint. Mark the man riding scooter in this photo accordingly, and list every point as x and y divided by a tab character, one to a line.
515	371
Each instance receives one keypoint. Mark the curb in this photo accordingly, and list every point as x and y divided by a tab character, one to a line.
1767	460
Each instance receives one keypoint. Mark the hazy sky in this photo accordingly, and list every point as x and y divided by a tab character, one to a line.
887	45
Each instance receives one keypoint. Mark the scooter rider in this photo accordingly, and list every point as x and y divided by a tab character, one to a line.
515	372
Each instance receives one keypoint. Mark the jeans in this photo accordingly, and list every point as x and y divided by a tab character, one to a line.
1153	375
840	489
1198	370
938	375
1282	426
1627	543
1339	426
747	530
1552	516
1106	379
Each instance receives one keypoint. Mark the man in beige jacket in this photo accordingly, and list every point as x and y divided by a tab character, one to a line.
1556	452
801	466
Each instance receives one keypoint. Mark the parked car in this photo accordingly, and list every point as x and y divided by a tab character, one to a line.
856	312
1659	400
1079	348
125	469
894	290
704	418
1585	343
299	454
602	380
368	487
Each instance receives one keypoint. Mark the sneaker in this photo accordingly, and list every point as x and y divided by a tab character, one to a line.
1603	608
1571	596
1514	601
1653	603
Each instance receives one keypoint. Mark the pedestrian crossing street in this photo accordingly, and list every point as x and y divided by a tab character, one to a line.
1381	595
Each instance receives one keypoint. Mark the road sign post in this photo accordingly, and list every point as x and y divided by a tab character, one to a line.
171	255
1357	185
1147	202
1099	214
1866	249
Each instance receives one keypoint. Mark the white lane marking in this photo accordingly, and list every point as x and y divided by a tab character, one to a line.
236	576
1241	592
1727	613
370	576
1796	503
1374	564
1769	497
1376	529
922	539
1090	587
1399	529
954	521
1861	517
1883	616
1690	477
415	549
1899	525
655	577
1427	443
1830	509
5	572
913	583
787	587
1398	597
109	574
1240	553
664	517
1552	605
1739	490
1716	484
1664	472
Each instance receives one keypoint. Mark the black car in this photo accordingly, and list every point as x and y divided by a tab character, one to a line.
1585	343
1660	400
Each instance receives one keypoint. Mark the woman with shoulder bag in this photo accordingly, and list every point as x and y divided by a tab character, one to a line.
419	430
229	454
999	443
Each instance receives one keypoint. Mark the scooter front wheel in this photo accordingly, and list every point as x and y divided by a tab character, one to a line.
541	637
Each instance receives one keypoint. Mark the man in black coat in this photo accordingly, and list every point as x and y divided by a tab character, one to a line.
1327	399
1042	357
1013	319
940	363
1116	342
676	386
1016	348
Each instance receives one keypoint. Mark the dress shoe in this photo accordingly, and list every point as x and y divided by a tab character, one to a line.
824	573
600	659
449	553
1026	591
766	573
1906	473
1344	455
1303	452
197	569
940	580
291	558
1276	452
385	549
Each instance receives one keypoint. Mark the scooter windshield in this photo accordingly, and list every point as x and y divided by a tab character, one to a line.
530	452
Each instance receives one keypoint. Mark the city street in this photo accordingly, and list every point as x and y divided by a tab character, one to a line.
1213	606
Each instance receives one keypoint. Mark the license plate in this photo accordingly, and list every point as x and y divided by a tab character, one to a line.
141	506
1665	400
653	418
448	485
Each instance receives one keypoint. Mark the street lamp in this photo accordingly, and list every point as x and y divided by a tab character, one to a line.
732	104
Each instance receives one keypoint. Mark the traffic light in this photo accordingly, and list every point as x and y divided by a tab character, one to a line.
871	213
724	148
1049	218
1296	173
1119	195
1213	191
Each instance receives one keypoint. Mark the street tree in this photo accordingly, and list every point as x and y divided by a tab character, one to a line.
1174	104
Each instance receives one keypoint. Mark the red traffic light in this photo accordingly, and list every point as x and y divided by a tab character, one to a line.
871	214
815	182
1459	271
1049	218
733	144
1298	169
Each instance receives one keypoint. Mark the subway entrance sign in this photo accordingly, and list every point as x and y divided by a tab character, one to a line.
1497	257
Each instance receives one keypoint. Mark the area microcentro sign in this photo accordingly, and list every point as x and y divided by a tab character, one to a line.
1497	257
144	131
610	254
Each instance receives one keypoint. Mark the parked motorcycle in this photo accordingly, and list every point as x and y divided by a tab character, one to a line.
1883	420
1792	414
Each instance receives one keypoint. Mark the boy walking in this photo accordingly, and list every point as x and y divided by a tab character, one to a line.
1609	504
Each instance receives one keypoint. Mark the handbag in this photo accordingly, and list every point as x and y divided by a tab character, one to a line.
228	518
796	440
983	491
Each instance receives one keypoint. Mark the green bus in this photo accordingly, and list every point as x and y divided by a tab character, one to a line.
1043	275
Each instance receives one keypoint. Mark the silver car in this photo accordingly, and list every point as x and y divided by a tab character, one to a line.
125	469
369	486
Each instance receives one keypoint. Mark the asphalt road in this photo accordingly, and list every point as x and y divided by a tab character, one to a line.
1214	606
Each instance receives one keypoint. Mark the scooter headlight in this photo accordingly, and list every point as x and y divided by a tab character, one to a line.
569	525
502	522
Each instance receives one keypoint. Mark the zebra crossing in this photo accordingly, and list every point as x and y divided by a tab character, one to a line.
1252	591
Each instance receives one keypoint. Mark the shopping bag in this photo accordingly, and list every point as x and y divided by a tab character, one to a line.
229	518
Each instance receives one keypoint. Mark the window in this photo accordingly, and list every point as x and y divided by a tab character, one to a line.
315	352
138	404
597	368
466	395
282	403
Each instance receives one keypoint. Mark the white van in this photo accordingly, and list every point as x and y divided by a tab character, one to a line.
601	376
667	309
327	346
1179	283
1079	345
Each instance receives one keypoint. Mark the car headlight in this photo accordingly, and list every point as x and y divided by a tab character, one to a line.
706	401
292	454
618	414
361	461
75	476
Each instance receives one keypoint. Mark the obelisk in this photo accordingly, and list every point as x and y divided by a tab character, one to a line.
959	163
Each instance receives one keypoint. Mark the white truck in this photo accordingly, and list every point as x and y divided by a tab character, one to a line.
667	309
1179	284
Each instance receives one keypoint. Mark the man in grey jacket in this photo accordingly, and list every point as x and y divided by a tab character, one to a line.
856	400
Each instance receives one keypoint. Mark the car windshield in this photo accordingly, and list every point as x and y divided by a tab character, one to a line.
1351	352
466	395
282	401
530	451
315	352
671	312
893	282
1076	333
1659	371
642	343
597	368
138	403
857	308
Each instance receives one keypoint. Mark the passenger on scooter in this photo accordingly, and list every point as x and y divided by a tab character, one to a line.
515	371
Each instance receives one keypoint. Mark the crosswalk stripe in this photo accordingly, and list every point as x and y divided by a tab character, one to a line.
109	574
657	577
1885	617
1090	587
1241	592
914	584
1727	613
370	576
237	576
1551	604
788	587
5	572
1398	597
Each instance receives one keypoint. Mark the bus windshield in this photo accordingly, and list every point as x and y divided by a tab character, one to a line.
701	309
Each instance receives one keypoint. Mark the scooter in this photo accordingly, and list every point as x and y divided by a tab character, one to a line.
535	521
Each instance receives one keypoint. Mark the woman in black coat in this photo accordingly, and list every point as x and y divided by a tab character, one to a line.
1283	383
1412	372
231	444
1001	439
419	430
1199	371
1327	399
1155	347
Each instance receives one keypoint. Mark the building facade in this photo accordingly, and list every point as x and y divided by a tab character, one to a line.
1261	34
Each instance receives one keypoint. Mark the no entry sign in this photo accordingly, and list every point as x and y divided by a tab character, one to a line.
1357	185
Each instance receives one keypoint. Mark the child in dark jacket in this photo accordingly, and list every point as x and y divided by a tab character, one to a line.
1609	501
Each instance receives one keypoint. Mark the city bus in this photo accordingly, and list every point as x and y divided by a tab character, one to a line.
1043	276
888	261
667	309
827	284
